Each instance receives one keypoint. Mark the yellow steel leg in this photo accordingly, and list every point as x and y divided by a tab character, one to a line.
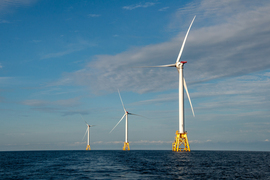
88	147
181	142
126	146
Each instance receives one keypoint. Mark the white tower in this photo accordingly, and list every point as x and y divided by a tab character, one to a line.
88	137
126	143
181	134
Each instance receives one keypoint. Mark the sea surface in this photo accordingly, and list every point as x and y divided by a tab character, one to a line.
134	165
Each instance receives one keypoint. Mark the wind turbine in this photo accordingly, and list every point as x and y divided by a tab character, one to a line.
88	137
181	134
126	143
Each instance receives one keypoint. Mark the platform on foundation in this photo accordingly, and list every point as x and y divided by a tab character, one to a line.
126	146
181	142
88	147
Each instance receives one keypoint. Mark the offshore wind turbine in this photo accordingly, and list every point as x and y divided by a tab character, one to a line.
88	137
126	143
181	134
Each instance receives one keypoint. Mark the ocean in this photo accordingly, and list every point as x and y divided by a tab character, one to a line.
134	164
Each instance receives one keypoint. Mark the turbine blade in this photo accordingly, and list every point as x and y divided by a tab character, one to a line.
137	115
185	85
167	65
121	100
84	120
85	133
181	50
118	122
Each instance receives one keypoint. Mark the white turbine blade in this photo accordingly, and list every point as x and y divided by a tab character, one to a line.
167	65
185	85
85	133
181	50
118	122
121	100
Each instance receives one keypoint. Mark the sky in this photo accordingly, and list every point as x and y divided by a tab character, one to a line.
61	63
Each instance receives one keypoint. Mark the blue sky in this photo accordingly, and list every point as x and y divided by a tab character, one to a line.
63	59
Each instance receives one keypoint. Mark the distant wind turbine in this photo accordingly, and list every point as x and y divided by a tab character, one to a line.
126	143
88	137
181	134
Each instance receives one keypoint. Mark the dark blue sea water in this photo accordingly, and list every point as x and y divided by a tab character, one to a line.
134	165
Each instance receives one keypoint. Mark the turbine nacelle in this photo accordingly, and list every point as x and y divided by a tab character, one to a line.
179	65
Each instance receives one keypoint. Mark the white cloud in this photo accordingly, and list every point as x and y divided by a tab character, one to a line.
164	9
5	79
66	107
140	5
70	48
63	102
35	102
4	21
36	41
5	4
93	15
160	99
236	45
59	54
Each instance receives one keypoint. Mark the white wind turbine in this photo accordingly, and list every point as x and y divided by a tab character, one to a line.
88	137
126	143
181	134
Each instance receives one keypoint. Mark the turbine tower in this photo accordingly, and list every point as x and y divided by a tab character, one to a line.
88	137
126	143
181	134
